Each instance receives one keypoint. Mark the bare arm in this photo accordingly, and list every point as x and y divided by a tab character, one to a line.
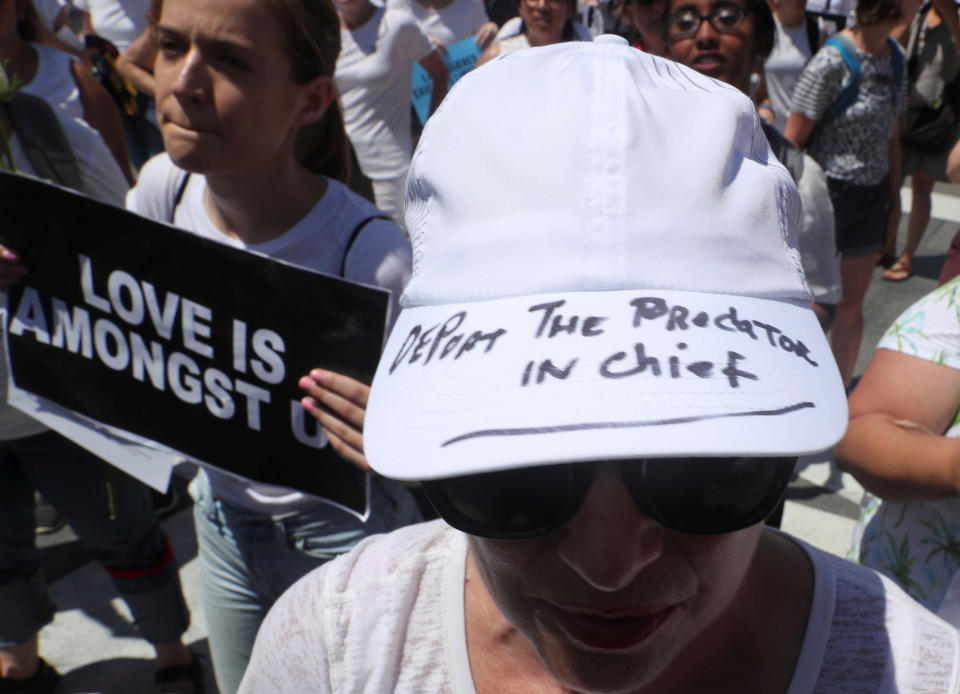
437	69
798	129
136	63
953	163
894	445
101	114
486	34
491	52
948	13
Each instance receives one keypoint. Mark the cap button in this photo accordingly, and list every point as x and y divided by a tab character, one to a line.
611	39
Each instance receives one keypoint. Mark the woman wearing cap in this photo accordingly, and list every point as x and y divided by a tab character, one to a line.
854	136
730	45
606	427
543	22
374	75
255	145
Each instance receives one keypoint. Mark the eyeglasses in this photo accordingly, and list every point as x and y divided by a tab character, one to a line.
686	22
698	496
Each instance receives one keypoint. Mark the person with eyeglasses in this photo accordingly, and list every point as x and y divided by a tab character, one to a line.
853	133
602	381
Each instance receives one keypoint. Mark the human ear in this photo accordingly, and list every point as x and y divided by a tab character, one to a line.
318	94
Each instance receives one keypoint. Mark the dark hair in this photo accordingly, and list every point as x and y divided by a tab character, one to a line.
878	11
311	30
764	29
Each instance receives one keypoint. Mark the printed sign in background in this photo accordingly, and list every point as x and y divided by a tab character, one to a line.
182	340
460	59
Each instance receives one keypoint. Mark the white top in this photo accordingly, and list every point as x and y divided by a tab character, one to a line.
375	77
380	256
54	80
456	21
118	21
388	617
101	179
49	10
782	68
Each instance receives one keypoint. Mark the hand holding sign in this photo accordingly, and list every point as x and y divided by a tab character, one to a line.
339	404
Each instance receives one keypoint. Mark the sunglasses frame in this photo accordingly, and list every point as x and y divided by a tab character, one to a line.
580	479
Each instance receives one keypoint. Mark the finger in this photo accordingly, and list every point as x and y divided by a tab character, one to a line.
331	402
345	431
347	452
349	388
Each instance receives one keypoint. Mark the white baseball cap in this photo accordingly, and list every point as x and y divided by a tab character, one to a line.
605	266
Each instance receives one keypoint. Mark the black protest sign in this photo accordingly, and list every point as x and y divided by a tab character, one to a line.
182	340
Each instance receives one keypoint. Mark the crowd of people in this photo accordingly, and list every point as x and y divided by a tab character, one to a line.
708	187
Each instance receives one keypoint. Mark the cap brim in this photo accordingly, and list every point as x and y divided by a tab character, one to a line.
535	380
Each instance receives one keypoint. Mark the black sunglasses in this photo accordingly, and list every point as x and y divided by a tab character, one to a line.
686	21
698	496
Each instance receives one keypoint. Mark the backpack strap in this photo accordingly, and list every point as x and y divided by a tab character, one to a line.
353	238
896	60
848	94
178	196
43	140
812	25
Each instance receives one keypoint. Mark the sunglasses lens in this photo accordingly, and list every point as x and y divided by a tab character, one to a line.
513	504
709	495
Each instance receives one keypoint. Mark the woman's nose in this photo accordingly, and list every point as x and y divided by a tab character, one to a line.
610	540
191	80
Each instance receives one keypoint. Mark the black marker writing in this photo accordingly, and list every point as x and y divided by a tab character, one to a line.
441	340
546	368
588	327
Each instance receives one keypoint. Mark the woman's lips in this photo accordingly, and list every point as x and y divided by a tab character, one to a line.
708	63
608	631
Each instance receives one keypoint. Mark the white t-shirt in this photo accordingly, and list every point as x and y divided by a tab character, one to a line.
54	81
101	179
49	10
389	617
118	21
782	68
375	77
380	256
456	21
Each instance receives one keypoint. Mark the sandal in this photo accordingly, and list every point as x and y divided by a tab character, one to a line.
897	272
189	674
43	681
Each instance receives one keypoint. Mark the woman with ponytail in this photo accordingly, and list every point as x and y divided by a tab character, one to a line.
255	158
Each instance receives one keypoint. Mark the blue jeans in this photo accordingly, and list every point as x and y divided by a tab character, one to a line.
128	542
248	560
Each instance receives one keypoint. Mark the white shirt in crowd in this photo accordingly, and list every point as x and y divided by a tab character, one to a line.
374	75
118	21
458	20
